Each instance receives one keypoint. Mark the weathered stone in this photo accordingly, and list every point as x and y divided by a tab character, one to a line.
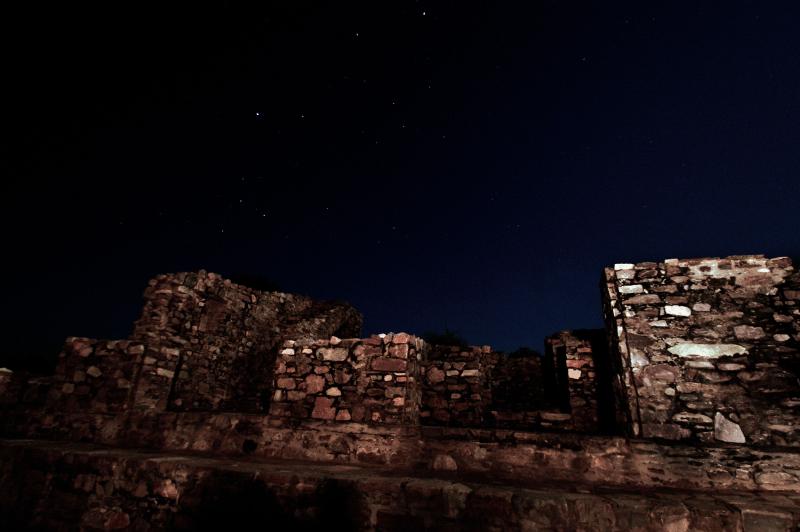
726	430
699	364
444	462
677	310
435	375
286	383
730	366
314	383
401	338
644	299
631	289
323	409
556	416
389	364
747	332
333	354
706	350
691	417
163	372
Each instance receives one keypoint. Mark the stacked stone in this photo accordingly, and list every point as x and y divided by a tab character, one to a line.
709	348
369	380
217	340
94	375
10	387
581	379
455	385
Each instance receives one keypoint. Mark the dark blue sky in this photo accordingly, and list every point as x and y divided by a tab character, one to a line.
435	163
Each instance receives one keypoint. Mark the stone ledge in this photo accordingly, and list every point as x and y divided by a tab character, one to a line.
107	488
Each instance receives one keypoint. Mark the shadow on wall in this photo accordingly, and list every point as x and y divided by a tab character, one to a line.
231	501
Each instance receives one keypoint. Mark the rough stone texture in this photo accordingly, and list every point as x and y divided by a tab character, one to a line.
95	376
371	380
704	338
220	338
581	360
100	489
455	385
285	411
726	430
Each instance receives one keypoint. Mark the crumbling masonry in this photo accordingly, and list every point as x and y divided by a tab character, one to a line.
692	387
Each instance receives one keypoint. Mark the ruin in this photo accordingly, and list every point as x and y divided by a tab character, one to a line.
229	404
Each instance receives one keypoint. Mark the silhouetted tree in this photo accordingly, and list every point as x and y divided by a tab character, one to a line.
524	352
446	337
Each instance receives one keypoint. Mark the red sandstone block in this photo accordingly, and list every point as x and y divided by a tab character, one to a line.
399	351
287	384
315	383
323	409
401	338
389	364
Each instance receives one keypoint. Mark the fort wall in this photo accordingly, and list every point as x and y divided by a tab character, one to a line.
708	348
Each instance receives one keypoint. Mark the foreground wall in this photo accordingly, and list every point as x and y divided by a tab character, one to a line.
709	348
57	487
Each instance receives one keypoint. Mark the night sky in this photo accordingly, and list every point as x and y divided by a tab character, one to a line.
436	164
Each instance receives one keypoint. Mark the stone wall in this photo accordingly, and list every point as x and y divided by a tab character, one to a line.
455	386
583	355
477	387
95	376
709	348
372	380
219	339
704	351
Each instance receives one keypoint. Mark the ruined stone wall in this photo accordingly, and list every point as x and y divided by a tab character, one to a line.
518	392
476	387
372	380
455	385
216	340
581	389
584	357
709	348
95	376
